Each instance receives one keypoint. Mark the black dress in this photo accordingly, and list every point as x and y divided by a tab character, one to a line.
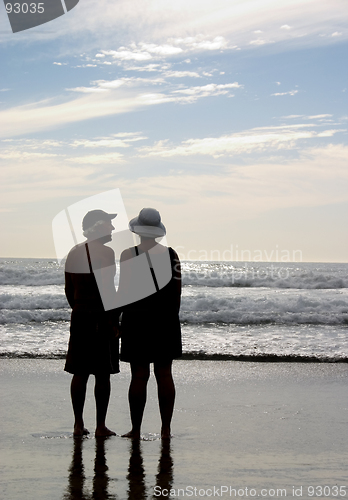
150	328
93	348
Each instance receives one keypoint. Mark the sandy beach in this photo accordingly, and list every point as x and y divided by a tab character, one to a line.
240	429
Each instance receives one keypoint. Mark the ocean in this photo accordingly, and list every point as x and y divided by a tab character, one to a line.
253	311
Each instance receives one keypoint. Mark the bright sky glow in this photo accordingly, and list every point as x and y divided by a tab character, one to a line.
230	117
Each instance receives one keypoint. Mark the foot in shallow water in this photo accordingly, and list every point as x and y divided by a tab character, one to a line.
80	431
132	434
165	433
103	431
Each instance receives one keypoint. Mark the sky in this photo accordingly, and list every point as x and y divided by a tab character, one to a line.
229	117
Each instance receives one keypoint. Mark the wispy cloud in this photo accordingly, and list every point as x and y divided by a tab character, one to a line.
23	155
257	139
245	191
322	117
44	115
103	98
86	90
193	93
260	41
144	51
127	55
105	158
201	42
182	74
290	92
116	141
157	24
318	117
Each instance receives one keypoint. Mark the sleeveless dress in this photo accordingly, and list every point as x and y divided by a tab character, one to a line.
93	348
150	328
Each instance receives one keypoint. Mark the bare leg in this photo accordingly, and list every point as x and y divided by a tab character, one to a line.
137	397
166	395
78	396
102	395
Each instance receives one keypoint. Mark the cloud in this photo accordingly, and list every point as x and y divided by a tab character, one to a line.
257	139
86	90
317	178
143	51
201	42
212	89
107	85
45	179
317	117
105	158
23	155
102	99
157	23
24	150
182	74
260	42
323	117
148	67
291	92
161	50
47	114
109	142
127	55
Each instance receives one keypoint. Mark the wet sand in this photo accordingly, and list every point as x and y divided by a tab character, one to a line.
238	425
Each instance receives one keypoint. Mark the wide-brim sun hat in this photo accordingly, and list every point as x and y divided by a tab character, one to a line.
148	224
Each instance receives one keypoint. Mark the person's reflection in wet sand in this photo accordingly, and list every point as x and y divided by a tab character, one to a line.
101	479
76	480
164	477
77	476
136	474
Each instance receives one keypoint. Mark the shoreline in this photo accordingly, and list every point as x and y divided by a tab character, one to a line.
193	356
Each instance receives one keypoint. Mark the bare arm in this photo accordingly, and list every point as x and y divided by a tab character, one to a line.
69	290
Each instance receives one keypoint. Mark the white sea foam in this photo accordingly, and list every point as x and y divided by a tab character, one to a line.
257	306
199	305
282	310
250	275
31	272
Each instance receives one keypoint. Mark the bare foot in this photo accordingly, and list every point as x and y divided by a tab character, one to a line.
165	433
132	435
103	431
80	431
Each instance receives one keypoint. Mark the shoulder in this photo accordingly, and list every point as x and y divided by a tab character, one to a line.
76	261
173	253
109	252
109	256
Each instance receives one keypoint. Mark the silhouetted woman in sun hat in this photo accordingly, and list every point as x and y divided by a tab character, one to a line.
150	326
